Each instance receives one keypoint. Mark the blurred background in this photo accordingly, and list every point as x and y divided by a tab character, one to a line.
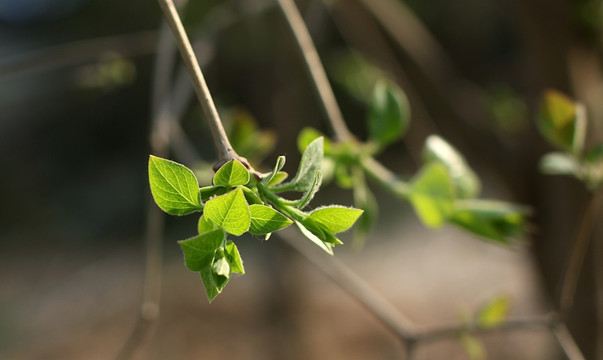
76	106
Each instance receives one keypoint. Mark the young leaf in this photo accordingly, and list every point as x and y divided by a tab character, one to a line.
213	282
207	192
251	196
307	135
336	219
432	195
234	259
559	163
232	173
199	251
280	163
494	220
474	348
265	220
221	267
327	247
204	225
309	194
494	313
466	182
229	211
389	114
174	187
561	121
278	178
310	162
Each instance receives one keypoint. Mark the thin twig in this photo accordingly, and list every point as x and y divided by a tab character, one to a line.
349	281
574	268
224	149
567	342
316	70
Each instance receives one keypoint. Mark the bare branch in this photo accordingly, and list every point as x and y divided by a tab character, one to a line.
567	342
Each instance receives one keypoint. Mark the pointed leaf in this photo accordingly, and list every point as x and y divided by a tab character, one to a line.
174	187
495	312
280	163
265	220
327	247
213	282
310	162
432	195
229	211
234	258
309	194
336	219
199	251
204	225
251	197
466	182
278	178
232	173
389	114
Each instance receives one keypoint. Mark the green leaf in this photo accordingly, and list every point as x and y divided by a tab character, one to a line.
562	121
234	258
309	194
308	135
280	163
229	211
310	162
432	194
365	200
495	312
474	348
213	282
327	247
199	251
174	187
251	196
558	163
335	218
265	220
207	192
389	114
494	220
204	225
466	182
278	178
221	267
232	173
595	155
343	178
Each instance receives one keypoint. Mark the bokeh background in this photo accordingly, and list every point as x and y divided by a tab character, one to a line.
76	90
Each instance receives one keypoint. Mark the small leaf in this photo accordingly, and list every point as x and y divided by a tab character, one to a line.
280	163
199	251
343	178
474	348
221	267
229	211
558	163
307	135
278	178
204	225
335	218
251	196
234	258
213	282
232	173
562	121
494	313
389	114
432	195
265	220
174	187
309	194
310	162
493	220
327	247
466	182
207	192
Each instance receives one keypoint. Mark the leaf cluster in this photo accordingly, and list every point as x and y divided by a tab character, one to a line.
238	203
563	122
444	190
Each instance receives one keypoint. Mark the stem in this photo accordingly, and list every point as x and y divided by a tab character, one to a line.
223	147
384	177
574	268
567	342
316	70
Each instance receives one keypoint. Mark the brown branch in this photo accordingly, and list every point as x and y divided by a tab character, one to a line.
315	69
224	149
579	250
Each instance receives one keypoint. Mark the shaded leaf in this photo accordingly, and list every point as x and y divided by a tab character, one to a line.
213	282
251	196
389	114
432	194
234	258
265	220
232	173
207	192
466	182
309	194
174	187
280	163
229	211
199	251
327	247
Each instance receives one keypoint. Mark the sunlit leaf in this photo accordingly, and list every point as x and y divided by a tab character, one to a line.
229	211
232	173
432	194
234	258
204	225
174	187
280	162
265	220
199	251
335	218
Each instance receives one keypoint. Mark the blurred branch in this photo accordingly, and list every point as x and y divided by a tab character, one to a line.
77	52
579	250
315	69
567	342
